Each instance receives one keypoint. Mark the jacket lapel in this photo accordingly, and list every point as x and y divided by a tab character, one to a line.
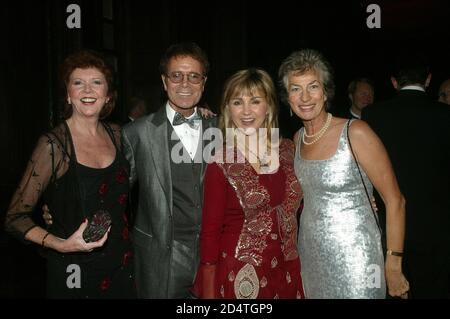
159	148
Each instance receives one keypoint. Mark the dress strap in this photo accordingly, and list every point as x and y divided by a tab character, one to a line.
73	162
109	129
299	142
72	146
349	122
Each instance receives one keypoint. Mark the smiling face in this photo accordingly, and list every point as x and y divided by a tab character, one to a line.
87	92
306	95
248	111
183	96
362	96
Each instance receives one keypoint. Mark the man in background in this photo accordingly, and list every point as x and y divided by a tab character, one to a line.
444	92
416	133
361	94
137	109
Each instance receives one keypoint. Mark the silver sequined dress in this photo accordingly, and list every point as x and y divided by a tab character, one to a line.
339	241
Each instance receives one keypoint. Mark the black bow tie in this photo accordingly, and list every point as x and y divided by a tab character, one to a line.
179	119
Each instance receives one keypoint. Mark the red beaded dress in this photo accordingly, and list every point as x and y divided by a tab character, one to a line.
248	241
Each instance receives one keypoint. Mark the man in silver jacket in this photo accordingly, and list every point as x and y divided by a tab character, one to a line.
165	151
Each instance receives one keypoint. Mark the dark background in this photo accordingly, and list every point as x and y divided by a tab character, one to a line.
235	34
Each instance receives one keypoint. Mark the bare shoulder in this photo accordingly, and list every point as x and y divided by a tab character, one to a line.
336	127
359	128
361	133
338	123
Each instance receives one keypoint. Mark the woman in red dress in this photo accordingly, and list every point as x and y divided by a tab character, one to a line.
248	243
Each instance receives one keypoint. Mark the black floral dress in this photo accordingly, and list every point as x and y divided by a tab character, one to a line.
73	193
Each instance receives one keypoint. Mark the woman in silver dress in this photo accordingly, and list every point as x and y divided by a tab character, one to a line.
339	241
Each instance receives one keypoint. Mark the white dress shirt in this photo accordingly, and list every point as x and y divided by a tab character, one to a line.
189	136
413	87
356	116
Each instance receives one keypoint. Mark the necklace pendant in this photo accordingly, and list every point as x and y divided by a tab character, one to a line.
264	162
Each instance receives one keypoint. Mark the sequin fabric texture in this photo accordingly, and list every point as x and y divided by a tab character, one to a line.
339	241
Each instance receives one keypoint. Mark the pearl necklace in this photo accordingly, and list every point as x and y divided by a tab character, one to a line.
319	134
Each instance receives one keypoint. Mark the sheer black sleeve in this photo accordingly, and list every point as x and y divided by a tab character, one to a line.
47	162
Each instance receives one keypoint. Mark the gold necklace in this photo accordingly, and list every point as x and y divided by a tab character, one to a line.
263	163
318	134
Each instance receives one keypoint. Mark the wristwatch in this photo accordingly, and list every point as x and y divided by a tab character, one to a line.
394	253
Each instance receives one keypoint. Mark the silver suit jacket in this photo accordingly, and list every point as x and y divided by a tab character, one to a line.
146	147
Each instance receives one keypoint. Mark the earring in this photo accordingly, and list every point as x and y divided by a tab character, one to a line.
68	101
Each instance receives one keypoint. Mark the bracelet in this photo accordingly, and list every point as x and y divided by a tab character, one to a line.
43	239
394	253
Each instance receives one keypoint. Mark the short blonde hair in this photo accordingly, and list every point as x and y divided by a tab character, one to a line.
249	81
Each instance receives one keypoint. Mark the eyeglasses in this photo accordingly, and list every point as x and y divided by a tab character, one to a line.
193	77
